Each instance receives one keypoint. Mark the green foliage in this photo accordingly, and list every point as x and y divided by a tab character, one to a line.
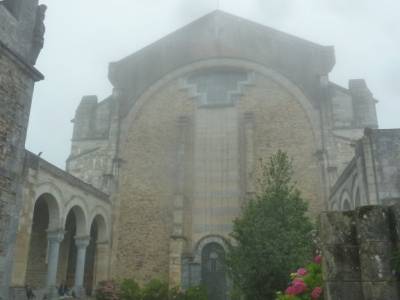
196	293
129	290
273	235
155	290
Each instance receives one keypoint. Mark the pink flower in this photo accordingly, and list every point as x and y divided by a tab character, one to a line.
318	259
290	291
302	272
316	293
298	287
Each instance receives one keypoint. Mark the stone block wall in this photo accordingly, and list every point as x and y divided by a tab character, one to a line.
21	39
358	250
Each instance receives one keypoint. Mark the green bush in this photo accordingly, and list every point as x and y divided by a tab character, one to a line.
129	290
155	290
196	293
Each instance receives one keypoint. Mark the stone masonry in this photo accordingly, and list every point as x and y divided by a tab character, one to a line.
21	39
372	176
360	253
178	141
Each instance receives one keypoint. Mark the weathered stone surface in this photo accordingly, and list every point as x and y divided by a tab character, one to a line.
373	224
367	261
385	290
341	263
338	290
17	77
372	177
338	228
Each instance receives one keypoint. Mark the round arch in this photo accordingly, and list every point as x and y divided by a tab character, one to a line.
53	210
45	217
293	89
100	217
53	197
203	242
78	207
97	254
81	220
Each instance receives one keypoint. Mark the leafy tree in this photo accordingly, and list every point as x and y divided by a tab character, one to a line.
273	235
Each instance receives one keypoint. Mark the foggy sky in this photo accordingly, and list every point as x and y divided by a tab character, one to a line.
83	37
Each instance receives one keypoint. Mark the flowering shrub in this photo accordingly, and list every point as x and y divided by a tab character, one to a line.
306	283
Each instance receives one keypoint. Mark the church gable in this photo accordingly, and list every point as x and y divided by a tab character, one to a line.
221	35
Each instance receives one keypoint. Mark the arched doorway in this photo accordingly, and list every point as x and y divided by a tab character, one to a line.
95	254
37	257
45	217
213	271
75	226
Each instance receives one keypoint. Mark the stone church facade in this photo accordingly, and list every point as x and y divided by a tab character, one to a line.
178	142
160	168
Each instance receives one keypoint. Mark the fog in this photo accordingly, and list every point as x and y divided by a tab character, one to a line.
82	37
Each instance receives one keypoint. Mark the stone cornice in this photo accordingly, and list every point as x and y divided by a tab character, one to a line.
21	62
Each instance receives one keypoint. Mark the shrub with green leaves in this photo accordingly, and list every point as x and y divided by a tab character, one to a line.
273	234
129	290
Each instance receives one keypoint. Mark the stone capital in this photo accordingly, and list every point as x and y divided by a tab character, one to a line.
55	236
103	243
82	241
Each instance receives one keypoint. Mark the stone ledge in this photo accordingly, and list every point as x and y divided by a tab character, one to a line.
21	62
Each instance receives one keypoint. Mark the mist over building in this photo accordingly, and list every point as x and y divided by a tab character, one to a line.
159	170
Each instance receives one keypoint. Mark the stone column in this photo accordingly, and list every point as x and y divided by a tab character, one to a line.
81	245
54	239
177	238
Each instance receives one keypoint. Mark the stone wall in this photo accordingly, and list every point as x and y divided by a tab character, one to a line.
21	38
358	250
372	177
218	160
